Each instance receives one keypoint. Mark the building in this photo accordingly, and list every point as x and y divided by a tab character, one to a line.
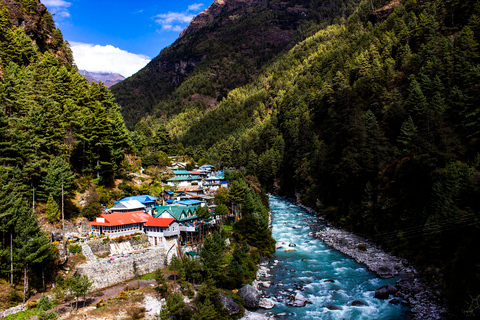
119	223
127	206
161	230
148	201
184	181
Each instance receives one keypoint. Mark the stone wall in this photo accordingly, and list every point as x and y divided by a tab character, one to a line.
111	271
17	309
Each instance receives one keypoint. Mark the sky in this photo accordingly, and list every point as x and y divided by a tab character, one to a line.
121	36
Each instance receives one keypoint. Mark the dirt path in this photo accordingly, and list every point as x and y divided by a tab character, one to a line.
104	294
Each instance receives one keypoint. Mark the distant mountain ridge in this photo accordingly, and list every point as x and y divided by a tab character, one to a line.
108	79
223	48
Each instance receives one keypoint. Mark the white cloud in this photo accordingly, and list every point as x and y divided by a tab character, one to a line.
56	3
97	58
177	21
62	14
195	7
58	8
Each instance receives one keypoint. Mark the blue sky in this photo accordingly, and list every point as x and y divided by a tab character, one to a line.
119	35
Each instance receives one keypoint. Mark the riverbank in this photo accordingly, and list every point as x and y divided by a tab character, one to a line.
424	303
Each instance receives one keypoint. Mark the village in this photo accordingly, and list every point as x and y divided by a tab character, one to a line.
172	218
139	234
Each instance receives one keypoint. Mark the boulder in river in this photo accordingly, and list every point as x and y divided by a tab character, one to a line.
227	303
298	301
297	227
385	291
358	303
250	296
292	245
266	303
394	301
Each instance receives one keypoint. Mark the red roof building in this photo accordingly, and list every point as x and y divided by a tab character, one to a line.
162	230
120	223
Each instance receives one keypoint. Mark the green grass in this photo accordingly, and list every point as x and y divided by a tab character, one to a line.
24	315
148	276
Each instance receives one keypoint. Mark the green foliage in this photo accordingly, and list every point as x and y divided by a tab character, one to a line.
44	303
74	248
212	255
203	212
161	282
175	308
52	212
42	315
221	210
78	285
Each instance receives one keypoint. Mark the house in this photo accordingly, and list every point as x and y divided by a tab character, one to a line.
179	213
184	181
119	223
181	173
207	168
161	230
215	182
196	190
148	201
128	206
178	165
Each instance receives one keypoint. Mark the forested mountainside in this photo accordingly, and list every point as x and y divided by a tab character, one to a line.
373	121
54	125
224	47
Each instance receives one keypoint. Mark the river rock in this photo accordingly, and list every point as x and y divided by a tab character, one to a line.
297	227
394	301
334	308
292	245
298	301
385	291
266	303
227	303
250	296
358	303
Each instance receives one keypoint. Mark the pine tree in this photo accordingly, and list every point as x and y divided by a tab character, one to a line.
52	211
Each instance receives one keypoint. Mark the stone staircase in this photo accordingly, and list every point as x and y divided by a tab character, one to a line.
88	253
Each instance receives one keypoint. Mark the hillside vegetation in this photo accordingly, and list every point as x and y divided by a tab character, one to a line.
54	127
373	121
225	47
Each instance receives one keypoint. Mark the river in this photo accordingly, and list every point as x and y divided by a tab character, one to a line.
330	280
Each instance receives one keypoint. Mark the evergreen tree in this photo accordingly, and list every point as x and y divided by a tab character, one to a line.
52	211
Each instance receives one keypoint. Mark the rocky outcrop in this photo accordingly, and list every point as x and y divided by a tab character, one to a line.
215	9
250	296
38	24
228	304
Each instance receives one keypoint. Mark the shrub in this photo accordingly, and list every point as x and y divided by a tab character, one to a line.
75	248
44	303
42	315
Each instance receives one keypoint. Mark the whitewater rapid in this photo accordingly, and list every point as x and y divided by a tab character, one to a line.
335	285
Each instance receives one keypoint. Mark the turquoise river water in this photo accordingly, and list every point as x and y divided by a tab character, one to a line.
330	280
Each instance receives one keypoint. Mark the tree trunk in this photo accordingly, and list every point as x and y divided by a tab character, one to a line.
25	283
11	260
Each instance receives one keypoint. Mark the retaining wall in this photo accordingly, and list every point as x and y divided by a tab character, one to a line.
108	272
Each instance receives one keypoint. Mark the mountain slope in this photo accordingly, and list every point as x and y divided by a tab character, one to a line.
374	122
223	48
